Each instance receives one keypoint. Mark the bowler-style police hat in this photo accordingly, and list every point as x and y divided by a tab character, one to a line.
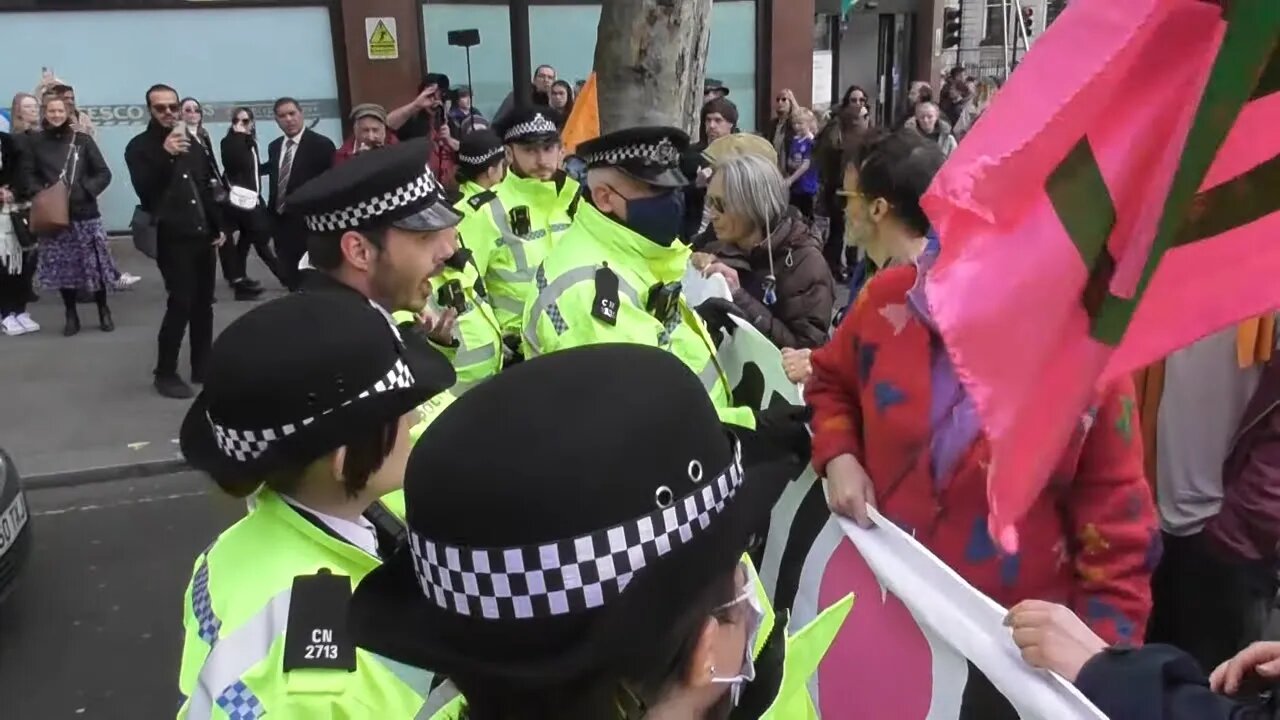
390	186
529	125
648	154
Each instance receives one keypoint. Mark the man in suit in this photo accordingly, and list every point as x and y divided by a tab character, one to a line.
293	161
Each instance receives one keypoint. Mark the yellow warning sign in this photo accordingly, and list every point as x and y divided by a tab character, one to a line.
383	42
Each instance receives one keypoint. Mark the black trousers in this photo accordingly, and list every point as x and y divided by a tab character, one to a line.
15	290
291	244
254	228
189	271
1206	604
838	255
802	202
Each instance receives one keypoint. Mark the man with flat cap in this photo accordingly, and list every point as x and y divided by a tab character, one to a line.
518	221
615	276
379	226
461	298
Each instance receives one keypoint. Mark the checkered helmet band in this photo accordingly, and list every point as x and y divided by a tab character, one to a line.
659	153
538	125
478	160
354	216
245	445
574	575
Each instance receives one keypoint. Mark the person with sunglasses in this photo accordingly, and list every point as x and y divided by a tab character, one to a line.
596	568
175	188
247	213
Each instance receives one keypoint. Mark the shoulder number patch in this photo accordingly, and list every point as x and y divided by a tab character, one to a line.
316	636
479	200
605	306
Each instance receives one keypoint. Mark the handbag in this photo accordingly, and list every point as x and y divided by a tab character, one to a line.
242	198
143	228
51	207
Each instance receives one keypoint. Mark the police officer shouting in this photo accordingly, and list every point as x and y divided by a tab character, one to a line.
517	223
381	228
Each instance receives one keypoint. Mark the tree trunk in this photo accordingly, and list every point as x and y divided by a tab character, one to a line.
651	61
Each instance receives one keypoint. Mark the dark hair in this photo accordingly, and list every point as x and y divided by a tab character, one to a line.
200	107
568	106
538	69
721	106
285	101
325	251
467	173
365	454
924	94
159	87
236	113
440	80
61	89
646	671
899	168
845	100
956	72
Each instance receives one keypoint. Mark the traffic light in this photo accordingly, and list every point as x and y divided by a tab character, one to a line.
950	27
1053	10
1028	20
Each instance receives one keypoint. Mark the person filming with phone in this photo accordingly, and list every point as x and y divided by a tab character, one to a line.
175	188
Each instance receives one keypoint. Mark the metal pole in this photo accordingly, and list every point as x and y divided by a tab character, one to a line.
471	88
521	71
1004	18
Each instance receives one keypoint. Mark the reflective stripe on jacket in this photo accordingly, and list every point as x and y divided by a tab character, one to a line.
507	260
560	316
236	609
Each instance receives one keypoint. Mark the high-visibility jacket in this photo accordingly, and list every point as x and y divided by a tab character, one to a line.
237	608
801	653
578	304
508	253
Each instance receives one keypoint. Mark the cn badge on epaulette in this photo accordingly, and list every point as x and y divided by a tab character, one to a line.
605	306
316	636
479	200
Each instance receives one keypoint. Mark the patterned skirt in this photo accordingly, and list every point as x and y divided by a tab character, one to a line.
77	258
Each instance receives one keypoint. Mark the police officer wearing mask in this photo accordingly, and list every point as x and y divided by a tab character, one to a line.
514	229
380	227
615	276
306	408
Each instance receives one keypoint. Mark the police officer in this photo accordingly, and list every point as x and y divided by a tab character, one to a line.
530	209
482	164
462	299
615	276
307	407
512	581
380	227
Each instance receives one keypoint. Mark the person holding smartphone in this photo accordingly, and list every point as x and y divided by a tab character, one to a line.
174	186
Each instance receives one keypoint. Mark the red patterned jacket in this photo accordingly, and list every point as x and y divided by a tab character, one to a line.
1090	542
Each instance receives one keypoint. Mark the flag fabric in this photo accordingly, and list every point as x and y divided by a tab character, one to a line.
1115	203
584	122
846	6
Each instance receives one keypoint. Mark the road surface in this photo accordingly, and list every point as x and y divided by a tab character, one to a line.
94	628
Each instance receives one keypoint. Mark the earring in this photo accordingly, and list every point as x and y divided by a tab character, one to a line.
711	671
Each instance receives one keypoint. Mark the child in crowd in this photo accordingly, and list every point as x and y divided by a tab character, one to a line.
803	174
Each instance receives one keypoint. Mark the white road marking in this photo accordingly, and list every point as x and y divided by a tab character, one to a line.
121	503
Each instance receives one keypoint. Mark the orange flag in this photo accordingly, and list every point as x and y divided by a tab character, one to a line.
584	122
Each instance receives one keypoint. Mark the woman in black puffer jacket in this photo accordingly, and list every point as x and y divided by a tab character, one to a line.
75	258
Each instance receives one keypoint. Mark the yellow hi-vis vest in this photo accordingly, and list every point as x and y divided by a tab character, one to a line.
236	612
564	313
508	254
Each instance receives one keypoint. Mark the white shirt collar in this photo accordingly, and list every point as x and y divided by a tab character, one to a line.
361	533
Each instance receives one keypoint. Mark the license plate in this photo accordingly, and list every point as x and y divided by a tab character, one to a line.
11	522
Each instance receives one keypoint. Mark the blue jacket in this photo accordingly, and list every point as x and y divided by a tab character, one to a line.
1160	682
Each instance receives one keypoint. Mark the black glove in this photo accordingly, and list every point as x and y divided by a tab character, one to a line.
782	428
715	313
511	351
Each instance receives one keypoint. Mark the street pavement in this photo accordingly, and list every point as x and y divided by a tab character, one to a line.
86	402
94	626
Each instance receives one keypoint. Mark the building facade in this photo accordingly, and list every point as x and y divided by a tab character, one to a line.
333	54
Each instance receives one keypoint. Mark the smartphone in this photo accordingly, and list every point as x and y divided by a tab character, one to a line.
180	127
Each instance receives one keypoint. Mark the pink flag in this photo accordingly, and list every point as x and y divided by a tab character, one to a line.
1116	202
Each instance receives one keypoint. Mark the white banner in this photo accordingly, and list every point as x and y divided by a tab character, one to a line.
905	651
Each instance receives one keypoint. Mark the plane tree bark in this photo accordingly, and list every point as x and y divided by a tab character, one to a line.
651	61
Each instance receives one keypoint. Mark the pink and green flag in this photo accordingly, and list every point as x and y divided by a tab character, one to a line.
1117	201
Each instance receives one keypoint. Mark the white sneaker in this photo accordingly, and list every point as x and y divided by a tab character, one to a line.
11	326
27	323
127	280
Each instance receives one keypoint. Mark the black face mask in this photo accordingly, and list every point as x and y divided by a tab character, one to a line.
659	219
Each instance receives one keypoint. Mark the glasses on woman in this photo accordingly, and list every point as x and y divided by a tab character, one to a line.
241	121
